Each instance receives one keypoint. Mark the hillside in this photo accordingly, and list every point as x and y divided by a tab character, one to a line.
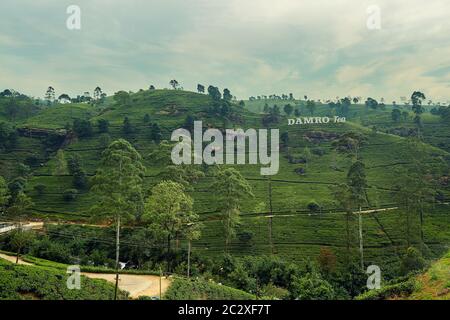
24	282
298	233
434	284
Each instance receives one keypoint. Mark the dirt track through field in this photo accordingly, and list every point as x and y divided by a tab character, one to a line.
136	285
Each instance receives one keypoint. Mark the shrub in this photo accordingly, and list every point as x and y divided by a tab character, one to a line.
103	125
40	189
311	287
70	194
412	261
183	289
389	291
313	207
82	128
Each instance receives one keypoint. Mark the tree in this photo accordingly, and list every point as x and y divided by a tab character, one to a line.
231	190
313	207
371	103
16	186
416	98
6	93
40	189
20	206
98	93
311	287
155	133
122	98
200	88
311	106
327	261
103	125
357	181
174	84
214	93
20	239
186	175
412	261
118	184
70	194
189	123
83	128
284	138
146	118
4	195
227	95
152	87
127	128
50	95
414	189
64	98
169	213
342	195
8	136
288	109
344	107
79	179
396	115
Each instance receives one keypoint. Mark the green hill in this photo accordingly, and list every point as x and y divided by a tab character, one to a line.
298	233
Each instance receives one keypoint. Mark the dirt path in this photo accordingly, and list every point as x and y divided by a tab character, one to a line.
13	259
136	285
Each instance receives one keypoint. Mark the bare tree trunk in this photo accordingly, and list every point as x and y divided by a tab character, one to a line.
117	256
361	244
17	256
189	260
168	252
422	238
271	216
347	222
408	228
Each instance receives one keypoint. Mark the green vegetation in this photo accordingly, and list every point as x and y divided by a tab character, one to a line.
108	163
184	289
19	282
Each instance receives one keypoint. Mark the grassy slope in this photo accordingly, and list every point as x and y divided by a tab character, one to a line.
435	283
18	282
297	237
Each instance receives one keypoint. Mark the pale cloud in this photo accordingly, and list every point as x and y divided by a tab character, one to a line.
321	48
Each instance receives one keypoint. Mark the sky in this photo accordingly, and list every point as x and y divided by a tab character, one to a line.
320	48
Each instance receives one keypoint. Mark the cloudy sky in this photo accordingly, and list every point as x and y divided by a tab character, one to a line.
322	48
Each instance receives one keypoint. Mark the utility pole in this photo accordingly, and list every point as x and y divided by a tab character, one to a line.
361	245
117	256
160	280
271	216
